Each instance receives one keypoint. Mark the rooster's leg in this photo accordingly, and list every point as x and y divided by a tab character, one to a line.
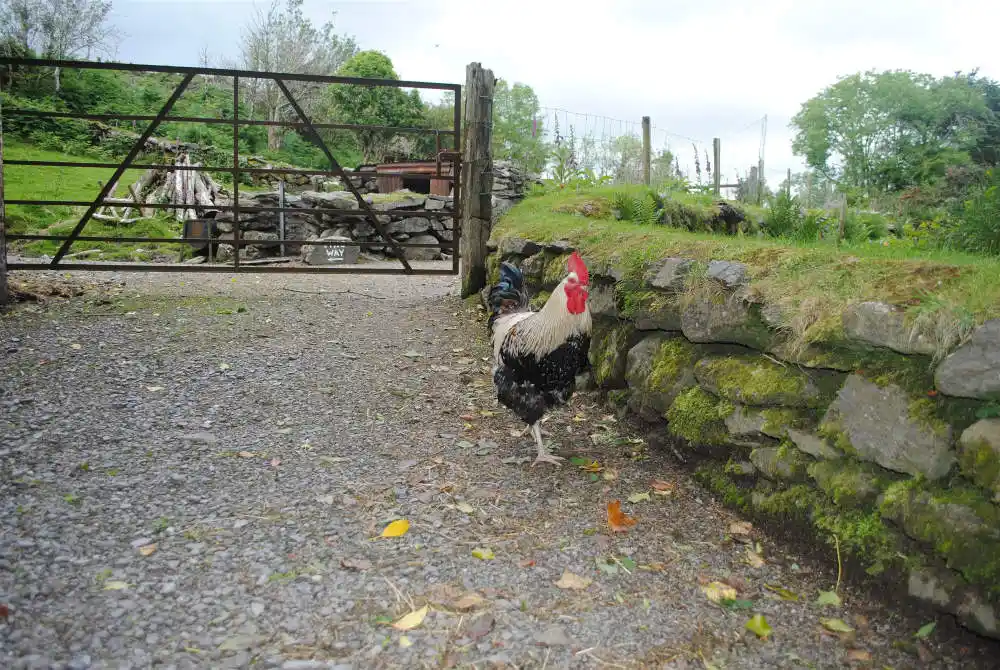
543	454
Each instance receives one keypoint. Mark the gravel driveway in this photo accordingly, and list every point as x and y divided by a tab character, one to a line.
196	470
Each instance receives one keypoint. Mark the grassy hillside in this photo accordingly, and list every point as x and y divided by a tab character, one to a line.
809	283
55	183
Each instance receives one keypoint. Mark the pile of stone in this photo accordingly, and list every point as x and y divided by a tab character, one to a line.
337	214
509	185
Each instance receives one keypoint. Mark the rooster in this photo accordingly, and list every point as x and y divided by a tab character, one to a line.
537	355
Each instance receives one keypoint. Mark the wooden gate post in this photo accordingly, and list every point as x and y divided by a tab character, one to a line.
647	151
716	170
4	290
477	177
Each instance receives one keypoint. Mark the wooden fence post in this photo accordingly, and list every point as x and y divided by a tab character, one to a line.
716	170
4	290
647	150
477	177
843	219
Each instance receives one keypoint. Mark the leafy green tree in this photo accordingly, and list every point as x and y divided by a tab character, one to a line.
282	39
517	129
876	132
375	105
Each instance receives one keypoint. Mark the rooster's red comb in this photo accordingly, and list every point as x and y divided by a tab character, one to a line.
576	264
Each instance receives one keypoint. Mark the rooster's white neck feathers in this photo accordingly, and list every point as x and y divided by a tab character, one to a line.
541	332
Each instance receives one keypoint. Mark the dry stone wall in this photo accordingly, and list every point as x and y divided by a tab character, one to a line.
870	439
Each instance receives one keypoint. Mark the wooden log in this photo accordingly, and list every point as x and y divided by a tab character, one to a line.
477	178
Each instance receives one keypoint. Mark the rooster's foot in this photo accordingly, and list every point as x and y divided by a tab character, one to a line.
548	458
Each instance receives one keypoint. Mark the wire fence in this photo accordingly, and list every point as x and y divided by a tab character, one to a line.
614	147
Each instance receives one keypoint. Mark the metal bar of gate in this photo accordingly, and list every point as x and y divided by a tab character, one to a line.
133	152
222	72
456	169
343	175
236	173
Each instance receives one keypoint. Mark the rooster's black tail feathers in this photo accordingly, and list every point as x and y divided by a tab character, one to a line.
507	295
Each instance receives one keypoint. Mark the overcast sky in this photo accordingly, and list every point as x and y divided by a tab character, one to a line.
700	70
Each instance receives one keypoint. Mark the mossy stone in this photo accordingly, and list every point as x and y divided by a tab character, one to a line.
782	462
658	368
960	524
753	380
979	455
850	484
610	342
697	416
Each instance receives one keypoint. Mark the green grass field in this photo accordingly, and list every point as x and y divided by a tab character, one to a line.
22	182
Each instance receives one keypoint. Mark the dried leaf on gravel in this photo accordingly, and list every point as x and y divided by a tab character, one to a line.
639	497
411	620
859	656
405	642
154	389
782	592
754	560
835	625
618	521
76	346
115	585
718	592
465	507
147	549
573	581
246	454
224	366
355	564
758	626
740	528
480	626
275	462
483	553
469	601
828	598
397	528
662	488
4	611
527	563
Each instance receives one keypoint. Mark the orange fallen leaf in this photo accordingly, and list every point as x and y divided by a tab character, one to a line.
469	417
527	564
662	488
932	393
593	466
618	521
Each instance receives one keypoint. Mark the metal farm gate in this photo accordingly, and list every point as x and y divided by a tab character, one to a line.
365	214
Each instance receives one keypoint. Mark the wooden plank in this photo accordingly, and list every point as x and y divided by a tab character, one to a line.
477	178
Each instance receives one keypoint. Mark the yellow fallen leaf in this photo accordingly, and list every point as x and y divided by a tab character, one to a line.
397	528
465	507
754	560
154	389
836	625
405	642
223	366
115	586
483	553
717	592
638	497
76	346
147	549
411	620
246	454
572	581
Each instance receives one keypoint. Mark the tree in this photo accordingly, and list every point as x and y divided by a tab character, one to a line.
59	29
283	40
517	131
876	132
440	116
374	105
